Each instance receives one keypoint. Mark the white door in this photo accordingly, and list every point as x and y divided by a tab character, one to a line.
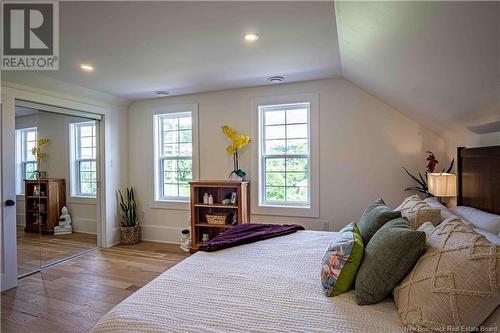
8	255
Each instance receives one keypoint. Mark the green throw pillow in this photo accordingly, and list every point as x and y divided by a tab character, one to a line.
389	257
374	217
341	261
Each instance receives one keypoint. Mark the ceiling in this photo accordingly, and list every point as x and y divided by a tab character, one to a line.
438	62
138	47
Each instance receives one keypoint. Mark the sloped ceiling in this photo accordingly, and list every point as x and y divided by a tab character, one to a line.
438	62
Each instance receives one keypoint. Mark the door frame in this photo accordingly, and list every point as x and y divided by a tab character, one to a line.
8	242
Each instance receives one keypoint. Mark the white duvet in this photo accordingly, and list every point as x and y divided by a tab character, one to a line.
268	286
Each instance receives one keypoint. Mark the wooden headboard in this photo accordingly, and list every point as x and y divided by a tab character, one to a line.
478	173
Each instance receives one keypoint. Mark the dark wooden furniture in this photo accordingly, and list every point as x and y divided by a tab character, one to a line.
478	173
42	209
237	213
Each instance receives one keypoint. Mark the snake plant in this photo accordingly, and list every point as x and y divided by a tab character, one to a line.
128	209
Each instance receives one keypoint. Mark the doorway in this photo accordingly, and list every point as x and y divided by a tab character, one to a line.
57	174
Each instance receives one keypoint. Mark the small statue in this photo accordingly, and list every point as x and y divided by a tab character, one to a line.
64	226
185	240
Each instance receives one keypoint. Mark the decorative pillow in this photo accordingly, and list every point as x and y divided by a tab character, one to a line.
428	228
374	217
389	256
418	212
482	220
434	203
454	284
341	261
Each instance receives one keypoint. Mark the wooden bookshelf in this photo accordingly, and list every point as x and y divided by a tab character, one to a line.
42	210
237	213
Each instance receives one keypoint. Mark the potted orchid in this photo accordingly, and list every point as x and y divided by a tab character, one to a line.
39	152
238	142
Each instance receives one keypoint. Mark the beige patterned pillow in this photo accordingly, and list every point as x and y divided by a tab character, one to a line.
418	212
454	284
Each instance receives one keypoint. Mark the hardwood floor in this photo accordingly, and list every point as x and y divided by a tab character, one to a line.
35	250
74	295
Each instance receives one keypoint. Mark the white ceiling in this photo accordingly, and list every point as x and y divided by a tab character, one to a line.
438	62
186	47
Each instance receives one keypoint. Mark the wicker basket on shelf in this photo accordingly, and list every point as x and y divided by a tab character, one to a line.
217	218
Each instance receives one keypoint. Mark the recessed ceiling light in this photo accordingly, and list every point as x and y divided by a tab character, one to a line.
276	79
162	92
251	37
86	67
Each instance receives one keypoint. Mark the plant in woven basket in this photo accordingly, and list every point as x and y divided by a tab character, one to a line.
128	209
422	187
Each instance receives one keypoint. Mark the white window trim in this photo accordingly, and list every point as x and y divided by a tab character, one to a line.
75	195
167	203
20	158
312	210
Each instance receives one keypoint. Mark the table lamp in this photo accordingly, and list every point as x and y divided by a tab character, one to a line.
442	184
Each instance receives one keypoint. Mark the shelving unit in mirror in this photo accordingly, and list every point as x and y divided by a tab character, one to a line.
231	206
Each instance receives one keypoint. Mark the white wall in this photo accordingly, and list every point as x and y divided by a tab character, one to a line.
55	127
363	145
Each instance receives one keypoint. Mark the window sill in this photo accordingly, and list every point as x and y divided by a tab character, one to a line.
81	200
170	204
20	197
292	211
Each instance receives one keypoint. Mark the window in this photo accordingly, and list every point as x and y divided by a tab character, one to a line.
284	147
26	140
174	155
285	158
83	159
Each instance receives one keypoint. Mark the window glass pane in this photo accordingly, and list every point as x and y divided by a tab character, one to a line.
275	164
170	137
296	164
86	153
296	116
185	123
171	149
185	136
184	190
296	131
86	142
296	194
275	193
185	149
170	190
274	117
169	165
31	135
296	179
275	147
275	178
275	132
185	165
86	130
297	146
170	124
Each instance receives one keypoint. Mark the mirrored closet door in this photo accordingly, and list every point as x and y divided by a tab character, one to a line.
56	185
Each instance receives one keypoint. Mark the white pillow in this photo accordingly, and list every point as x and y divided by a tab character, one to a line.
434	203
482	220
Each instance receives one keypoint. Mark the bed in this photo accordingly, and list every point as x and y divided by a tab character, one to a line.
268	286
274	285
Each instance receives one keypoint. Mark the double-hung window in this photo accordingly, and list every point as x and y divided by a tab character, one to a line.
83	161
26	140
174	155
285	157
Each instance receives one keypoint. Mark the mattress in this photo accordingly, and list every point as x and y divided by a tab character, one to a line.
268	286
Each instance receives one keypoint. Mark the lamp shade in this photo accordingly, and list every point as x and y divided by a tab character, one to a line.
442	184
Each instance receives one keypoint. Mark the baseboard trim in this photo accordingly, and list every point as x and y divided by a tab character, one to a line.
161	234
